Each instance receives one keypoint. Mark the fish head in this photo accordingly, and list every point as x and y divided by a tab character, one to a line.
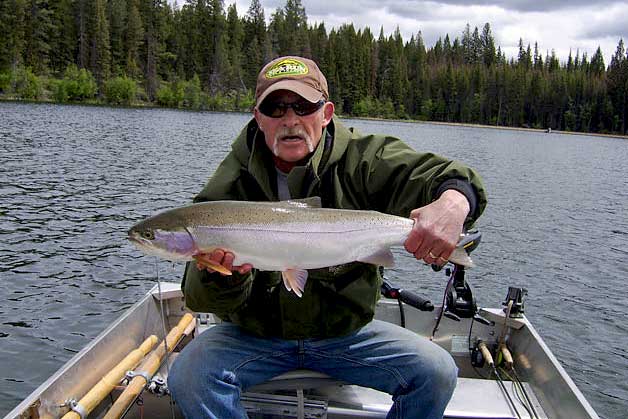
164	235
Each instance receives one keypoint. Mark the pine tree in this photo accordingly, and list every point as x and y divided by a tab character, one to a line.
82	17
488	45
256	41
99	49
467	45
295	35
617	77
149	12
235	35
63	40
117	18
38	30
12	16
220	56
133	38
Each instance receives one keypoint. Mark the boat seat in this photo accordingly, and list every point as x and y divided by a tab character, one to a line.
473	398
298	379
337	398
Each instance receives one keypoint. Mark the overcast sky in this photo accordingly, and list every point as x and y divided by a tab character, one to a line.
555	24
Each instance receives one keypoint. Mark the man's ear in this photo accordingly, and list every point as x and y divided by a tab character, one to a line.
328	113
256	115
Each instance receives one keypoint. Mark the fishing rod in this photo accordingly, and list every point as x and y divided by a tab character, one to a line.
511	373
521	392
488	358
504	364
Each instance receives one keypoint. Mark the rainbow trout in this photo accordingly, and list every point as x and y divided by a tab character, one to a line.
286	236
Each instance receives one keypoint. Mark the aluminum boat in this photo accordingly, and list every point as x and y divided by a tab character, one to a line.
523	380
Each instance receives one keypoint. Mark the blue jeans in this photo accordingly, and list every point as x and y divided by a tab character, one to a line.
211	372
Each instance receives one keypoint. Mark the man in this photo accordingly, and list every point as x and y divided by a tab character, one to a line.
295	148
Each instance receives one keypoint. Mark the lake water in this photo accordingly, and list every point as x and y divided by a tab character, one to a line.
73	179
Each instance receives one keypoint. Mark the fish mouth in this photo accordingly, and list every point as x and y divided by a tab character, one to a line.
134	237
137	239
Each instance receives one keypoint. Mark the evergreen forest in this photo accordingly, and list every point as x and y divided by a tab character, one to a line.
201	54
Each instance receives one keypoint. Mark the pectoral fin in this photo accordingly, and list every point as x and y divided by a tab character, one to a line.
382	257
205	261
294	280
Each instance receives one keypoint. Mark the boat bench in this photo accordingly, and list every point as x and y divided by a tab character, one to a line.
473	398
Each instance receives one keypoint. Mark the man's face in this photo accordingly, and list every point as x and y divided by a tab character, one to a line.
292	137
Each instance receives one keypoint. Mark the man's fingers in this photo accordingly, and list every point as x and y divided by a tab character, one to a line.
244	269
413	242
203	261
227	261
434	252
217	255
215	261
423	251
220	261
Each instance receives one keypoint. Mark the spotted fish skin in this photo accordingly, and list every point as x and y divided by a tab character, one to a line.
286	236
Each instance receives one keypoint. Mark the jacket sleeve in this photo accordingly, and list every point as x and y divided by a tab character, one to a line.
400	179
212	292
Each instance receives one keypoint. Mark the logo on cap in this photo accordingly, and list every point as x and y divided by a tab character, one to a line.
287	67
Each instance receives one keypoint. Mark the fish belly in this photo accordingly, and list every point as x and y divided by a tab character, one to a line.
307	247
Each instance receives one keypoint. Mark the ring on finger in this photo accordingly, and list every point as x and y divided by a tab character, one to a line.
443	259
432	255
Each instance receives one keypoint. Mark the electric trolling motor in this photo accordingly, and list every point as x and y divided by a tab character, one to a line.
459	299
408	297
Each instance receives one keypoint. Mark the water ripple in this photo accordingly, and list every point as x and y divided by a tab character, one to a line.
74	179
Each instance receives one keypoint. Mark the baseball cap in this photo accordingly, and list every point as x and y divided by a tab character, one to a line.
297	74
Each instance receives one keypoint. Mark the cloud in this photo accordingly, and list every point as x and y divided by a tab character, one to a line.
527	5
605	23
560	25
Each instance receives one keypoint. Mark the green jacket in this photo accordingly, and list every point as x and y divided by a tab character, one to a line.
347	170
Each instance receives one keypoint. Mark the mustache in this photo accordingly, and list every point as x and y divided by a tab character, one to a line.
284	132
292	132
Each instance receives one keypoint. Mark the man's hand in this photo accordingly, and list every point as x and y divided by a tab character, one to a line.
437	228
220	261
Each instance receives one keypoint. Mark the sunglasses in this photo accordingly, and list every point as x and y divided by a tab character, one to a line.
279	109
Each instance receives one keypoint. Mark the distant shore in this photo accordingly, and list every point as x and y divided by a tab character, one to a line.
143	105
501	127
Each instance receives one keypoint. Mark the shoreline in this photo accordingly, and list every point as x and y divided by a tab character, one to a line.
366	118
500	127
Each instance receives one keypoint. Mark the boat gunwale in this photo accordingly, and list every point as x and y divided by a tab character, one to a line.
48	385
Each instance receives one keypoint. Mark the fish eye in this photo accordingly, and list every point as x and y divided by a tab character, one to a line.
148	235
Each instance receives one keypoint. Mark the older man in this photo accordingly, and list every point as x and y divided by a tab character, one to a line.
295	148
